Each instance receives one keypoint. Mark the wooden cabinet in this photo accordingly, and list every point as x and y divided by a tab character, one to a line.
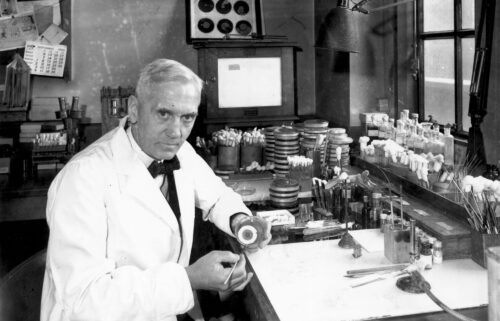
247	83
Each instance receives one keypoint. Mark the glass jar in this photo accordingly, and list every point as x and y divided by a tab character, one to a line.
437	252
426	254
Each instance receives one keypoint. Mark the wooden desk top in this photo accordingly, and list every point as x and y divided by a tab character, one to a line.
305	281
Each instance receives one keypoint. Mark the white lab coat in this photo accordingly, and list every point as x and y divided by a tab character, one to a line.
114	240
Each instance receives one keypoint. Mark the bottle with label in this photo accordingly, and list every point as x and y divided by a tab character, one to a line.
449	147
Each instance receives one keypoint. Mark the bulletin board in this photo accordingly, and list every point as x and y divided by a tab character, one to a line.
35	17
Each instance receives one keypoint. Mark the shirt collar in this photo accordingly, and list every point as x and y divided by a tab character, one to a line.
143	157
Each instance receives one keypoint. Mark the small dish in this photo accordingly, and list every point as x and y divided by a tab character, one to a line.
246	190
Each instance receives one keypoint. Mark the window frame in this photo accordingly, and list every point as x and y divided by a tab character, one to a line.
457	34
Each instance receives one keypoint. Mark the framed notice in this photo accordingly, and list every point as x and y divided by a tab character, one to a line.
223	19
45	59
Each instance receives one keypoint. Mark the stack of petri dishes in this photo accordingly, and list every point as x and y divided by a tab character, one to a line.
312	129
337	137
300	128
284	194
269	149
286	144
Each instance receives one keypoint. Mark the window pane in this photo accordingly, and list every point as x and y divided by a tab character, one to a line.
467	62
468	14
439	82
438	15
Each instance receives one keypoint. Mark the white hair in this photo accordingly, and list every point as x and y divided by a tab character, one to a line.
162	71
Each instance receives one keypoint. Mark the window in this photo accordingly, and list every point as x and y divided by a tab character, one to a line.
446	41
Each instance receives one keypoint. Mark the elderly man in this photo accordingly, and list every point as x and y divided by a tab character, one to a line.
121	213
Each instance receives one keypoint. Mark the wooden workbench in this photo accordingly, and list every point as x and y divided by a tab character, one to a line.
305	281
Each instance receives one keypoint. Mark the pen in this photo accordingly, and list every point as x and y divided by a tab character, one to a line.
231	272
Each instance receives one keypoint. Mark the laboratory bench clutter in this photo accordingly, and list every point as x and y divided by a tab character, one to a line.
399	209
405	231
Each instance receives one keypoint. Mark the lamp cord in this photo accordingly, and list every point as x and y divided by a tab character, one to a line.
425	286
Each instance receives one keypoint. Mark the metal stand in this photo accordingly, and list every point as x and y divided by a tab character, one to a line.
347	241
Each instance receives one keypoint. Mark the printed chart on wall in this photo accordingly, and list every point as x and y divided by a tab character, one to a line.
45	59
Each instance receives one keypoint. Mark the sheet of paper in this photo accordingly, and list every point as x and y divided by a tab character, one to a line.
53	35
45	60
28	7
372	240
14	32
249	82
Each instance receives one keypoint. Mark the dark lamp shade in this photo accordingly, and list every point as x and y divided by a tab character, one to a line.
339	31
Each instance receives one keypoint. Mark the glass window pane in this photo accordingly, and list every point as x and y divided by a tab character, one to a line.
468	14
467	62
438	15
439	82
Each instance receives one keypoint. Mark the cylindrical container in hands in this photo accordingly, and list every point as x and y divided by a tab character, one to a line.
250	231
228	157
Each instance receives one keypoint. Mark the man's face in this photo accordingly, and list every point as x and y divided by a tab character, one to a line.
164	118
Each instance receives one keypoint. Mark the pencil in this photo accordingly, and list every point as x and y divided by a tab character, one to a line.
231	272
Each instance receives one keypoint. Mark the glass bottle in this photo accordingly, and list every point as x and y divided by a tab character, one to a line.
400	133
449	147
410	140
426	254
437	253
372	128
414	118
382	131
375	210
391	130
365	213
418	145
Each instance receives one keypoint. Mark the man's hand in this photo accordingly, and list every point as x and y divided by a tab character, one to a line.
209	273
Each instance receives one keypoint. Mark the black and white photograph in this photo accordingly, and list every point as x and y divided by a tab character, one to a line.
249	160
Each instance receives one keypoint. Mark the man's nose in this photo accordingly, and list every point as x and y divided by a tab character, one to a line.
174	127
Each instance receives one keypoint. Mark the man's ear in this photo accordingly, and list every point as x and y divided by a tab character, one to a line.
133	109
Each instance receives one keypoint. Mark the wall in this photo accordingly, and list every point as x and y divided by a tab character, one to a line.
112	40
348	84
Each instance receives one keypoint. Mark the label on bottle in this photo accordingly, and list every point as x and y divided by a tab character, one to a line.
372	132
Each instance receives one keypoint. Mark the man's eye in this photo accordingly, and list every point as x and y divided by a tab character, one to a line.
188	118
163	113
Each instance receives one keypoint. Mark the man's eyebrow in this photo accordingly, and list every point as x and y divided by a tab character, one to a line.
193	114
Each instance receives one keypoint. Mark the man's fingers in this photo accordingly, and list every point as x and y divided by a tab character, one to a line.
241	286
226	257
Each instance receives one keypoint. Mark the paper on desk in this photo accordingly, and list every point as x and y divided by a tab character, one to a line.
372	240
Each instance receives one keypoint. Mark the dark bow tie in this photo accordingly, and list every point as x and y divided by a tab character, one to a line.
163	168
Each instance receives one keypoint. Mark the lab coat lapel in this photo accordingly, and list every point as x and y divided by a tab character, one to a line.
135	180
185	195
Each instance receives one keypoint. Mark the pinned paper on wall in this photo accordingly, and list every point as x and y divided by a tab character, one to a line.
14	32
45	59
53	35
